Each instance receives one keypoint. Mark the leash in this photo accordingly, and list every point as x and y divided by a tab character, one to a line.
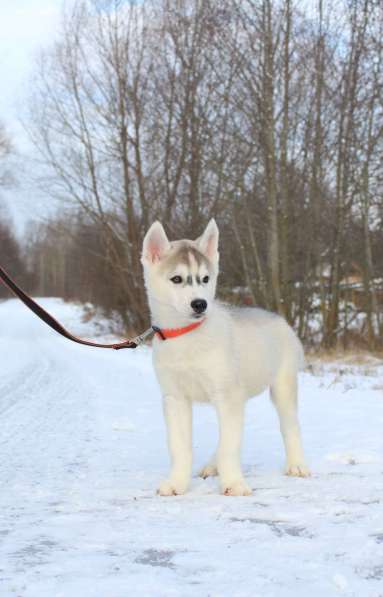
55	325
163	333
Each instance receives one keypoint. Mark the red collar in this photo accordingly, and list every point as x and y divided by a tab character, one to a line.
165	333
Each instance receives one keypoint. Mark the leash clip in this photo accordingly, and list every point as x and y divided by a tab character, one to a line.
142	337
158	331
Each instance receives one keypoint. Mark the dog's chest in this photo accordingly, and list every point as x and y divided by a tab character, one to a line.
188	370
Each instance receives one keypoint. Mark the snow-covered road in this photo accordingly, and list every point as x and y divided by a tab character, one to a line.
83	447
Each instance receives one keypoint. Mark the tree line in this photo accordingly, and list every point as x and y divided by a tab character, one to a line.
266	114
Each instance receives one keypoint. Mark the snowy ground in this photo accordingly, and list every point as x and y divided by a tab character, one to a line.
83	447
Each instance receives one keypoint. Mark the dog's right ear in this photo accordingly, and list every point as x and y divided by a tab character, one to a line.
155	244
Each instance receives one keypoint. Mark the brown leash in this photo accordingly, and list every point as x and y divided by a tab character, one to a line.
55	325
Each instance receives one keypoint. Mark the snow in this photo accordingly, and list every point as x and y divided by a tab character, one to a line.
83	448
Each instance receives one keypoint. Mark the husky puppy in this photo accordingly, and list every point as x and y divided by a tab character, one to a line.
217	354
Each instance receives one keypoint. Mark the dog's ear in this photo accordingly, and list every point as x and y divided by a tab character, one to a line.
155	244
208	241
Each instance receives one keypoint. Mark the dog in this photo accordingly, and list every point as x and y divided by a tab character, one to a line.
205	351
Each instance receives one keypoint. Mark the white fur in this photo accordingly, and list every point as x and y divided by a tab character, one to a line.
233	355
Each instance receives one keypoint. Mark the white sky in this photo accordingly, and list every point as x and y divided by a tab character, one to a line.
25	27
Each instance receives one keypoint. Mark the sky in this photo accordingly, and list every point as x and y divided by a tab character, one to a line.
25	27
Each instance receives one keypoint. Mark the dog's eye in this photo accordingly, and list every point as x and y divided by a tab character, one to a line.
205	279
176	279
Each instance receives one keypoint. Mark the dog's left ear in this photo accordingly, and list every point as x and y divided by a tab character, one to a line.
208	241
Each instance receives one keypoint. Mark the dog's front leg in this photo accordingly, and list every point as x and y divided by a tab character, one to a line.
230	416
178	417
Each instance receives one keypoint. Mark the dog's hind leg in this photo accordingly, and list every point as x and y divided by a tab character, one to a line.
210	469
230	410
284	397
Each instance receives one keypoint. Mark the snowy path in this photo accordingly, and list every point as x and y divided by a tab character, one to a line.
83	447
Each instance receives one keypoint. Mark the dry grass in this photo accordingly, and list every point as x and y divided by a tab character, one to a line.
348	357
346	364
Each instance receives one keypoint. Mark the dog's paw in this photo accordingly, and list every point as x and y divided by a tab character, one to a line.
297	470
210	470
239	487
169	487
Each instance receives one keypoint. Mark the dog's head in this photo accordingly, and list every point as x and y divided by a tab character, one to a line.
181	276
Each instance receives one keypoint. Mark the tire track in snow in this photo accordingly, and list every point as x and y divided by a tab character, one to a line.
45	427
26	381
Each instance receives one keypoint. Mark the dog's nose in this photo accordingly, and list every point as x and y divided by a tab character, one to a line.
199	305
